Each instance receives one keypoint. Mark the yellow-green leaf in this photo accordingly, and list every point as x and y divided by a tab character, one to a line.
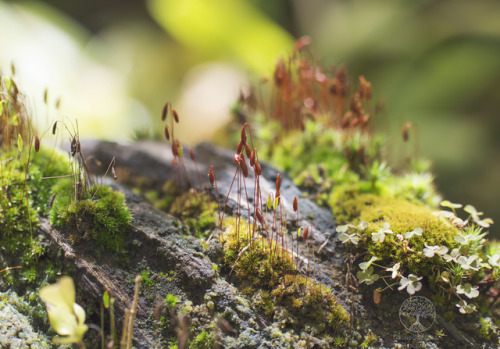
19	142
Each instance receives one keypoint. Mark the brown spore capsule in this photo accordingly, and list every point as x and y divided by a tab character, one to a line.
167	133
405	132
211	175
239	147
260	217
37	144
306	233
244	167
54	128
252	157
164	111
248	151
175	115
243	134
278	182
258	169
295	204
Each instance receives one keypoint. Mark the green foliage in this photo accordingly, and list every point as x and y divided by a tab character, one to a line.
145	279
196	211
204	340
66	317
100	213
271	271
171	300
262	263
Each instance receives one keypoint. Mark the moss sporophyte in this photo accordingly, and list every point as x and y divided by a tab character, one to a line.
317	128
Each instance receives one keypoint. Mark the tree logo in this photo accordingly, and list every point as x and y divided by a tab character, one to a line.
417	314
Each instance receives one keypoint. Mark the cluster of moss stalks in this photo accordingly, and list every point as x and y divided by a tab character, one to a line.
38	182
269	273
318	128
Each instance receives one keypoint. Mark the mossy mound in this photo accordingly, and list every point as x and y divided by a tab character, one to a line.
402	217
99	213
268	271
196	210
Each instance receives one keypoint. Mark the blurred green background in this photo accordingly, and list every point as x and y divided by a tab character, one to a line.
115	63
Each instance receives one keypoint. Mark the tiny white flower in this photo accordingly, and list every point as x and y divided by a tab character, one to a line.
394	270
494	260
379	236
352	238
411	283
466	308
417	231
468	290
429	251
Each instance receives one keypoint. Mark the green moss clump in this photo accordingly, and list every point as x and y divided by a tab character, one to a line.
100	214
262	263
196	211
204	340
303	296
272	273
302	153
403	216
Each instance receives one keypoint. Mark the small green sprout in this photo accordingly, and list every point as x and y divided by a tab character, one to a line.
451	205
352	238
465	239
465	308
416	231
367	276
171	300
468	290
380	235
411	283
474	214
473	262
454	254
494	260
430	251
365	265
66	317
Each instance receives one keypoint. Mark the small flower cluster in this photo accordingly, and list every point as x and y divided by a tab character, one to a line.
456	275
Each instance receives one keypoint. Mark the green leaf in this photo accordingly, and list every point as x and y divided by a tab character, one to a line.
105	299
450	204
276	203
19	143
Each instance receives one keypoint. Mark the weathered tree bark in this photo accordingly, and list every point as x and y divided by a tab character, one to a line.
156	242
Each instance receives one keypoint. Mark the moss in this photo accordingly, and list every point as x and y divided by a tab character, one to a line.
352	207
304	297
196	211
204	340
100	214
145	279
263	263
488	330
302	153
171	300
271	271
